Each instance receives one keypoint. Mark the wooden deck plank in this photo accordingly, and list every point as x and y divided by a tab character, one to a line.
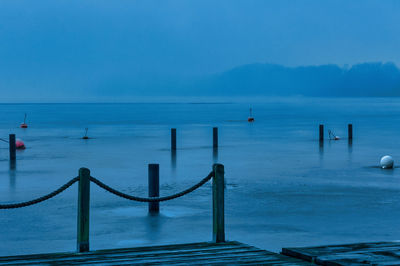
147	256
374	253
183	254
116	252
147	253
161	248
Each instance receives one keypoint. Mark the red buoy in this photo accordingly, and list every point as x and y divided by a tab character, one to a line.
19	144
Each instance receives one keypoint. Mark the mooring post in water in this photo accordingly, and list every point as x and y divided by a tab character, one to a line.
215	137
154	187
13	147
173	138
321	132
218	203
83	210
350	129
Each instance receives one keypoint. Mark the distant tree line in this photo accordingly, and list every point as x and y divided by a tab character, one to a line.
367	79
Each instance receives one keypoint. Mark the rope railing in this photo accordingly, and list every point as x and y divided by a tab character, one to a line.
109	189
40	199
152	199
84	180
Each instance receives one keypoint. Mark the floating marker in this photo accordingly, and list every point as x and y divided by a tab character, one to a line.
19	145
85	137
24	125
387	162
251	118
332	135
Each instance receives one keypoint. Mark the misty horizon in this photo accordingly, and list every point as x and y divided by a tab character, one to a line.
52	51
248	83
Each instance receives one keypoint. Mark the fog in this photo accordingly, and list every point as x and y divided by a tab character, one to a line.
69	50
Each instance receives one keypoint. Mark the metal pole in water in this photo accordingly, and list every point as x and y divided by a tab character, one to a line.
173	138
350	130
321	132
83	210
12	147
154	187
215	137
218	203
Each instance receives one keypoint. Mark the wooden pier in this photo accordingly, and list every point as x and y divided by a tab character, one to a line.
205	253
224	253
376	253
217	252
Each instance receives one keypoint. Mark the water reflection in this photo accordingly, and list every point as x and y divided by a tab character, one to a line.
153	226
321	148
350	149
12	174
215	155
173	160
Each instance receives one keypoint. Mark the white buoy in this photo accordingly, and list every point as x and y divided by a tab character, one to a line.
387	162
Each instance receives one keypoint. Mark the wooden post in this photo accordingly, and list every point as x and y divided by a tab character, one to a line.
83	210
215	137
350	130
173	138
218	204
13	148
321	132
154	187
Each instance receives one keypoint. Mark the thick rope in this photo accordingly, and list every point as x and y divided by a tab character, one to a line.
152	199
46	197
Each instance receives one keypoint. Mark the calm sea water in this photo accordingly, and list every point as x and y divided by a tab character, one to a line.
283	188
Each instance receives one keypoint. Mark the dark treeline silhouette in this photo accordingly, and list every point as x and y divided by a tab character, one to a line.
367	79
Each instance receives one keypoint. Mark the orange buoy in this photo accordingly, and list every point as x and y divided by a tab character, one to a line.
24	125
19	144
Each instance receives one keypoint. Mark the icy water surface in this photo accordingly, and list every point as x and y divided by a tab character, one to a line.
283	188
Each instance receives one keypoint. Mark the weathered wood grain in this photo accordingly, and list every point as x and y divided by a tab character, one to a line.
376	253
205	253
218	203
83	210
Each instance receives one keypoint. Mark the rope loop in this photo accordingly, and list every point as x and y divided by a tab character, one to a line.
152	199
40	199
109	189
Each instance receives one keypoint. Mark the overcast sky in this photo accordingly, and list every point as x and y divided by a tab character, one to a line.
54	46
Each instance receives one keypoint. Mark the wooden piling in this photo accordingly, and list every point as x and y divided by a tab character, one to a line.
83	210
350	130
321	132
154	187
13	147
215	137
218	204
173	138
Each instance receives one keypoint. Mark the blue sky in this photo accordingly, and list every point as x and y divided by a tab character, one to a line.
71	46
